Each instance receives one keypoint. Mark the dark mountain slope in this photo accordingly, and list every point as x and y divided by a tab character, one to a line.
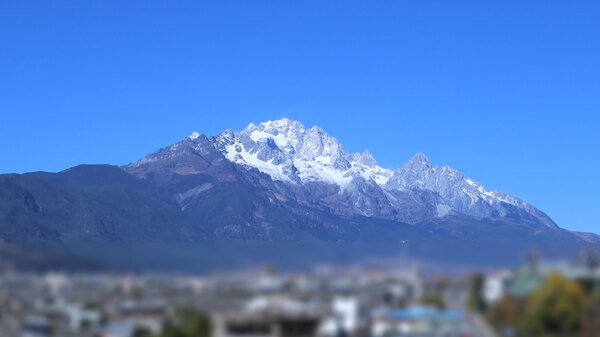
85	204
101	212
187	206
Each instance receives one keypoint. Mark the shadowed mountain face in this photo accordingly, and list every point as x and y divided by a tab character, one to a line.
276	192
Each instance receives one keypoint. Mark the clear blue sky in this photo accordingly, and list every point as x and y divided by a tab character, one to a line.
507	92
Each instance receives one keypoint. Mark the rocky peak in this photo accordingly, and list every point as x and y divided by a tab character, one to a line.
287	151
366	158
418	162
223	139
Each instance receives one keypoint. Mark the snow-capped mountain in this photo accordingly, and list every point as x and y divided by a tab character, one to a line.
458	192
275	184
291	153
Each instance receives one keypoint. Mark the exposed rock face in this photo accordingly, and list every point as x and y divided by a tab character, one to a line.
312	168
192	155
461	194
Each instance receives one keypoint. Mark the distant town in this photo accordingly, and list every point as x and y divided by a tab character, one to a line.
325	302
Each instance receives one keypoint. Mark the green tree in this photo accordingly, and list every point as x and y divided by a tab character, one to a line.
187	322
142	333
135	293
556	308
433	300
476	301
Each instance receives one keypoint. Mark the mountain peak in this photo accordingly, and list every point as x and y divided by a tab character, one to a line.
366	158
419	160
289	152
280	125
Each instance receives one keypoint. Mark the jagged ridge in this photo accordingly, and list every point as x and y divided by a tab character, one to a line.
291	153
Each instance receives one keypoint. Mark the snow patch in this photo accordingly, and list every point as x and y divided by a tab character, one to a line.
443	210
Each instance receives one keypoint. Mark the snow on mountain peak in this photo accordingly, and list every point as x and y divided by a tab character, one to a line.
288	151
458	192
419	160
366	158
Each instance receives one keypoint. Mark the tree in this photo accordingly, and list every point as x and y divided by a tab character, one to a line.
433	300
476	301
506	313
556	308
142	333
591	318
187	322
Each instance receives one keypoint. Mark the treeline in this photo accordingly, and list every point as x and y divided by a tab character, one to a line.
558	308
185	322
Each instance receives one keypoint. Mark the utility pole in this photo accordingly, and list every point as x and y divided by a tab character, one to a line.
404	253
593	263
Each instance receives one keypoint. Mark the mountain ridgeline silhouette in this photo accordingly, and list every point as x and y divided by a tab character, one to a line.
274	192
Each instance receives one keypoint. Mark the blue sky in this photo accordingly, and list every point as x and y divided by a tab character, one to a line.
507	92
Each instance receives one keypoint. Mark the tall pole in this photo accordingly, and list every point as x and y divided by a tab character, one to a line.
593	264
404	252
